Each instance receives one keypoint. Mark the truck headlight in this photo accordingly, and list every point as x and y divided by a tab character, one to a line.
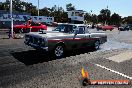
39	41
44	42
27	38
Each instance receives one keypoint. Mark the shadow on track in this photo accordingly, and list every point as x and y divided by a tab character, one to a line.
31	57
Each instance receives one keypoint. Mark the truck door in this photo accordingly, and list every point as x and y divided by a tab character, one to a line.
79	40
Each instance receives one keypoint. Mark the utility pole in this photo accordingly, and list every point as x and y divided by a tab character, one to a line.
11	16
106	16
38	7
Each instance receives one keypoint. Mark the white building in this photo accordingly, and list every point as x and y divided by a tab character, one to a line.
76	16
45	19
16	17
5	16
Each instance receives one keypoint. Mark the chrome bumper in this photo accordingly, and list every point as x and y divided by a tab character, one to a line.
36	46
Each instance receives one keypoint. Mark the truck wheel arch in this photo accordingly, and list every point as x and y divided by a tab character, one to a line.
61	43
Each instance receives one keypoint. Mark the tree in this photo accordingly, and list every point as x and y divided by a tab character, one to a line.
104	16
115	19
87	17
94	18
129	19
5	5
60	15
30	8
1	6
44	12
19	6
70	7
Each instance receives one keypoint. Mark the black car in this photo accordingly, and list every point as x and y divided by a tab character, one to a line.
126	27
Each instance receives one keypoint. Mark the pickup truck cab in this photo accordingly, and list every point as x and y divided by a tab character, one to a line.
64	38
29	27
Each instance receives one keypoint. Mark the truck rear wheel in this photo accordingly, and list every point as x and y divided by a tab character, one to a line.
97	45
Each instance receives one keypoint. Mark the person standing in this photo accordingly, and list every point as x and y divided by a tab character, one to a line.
30	21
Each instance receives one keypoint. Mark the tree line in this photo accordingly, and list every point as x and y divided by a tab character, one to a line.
60	15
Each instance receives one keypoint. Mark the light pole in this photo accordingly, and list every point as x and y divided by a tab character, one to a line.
38	7
11	16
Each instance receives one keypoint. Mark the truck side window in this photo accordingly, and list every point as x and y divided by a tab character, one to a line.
63	29
69	29
66	29
81	30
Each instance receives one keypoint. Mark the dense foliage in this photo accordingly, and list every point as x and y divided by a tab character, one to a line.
60	15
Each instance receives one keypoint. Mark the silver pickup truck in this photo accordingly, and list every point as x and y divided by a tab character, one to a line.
65	37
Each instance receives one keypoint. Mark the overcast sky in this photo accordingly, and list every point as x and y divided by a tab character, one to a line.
122	7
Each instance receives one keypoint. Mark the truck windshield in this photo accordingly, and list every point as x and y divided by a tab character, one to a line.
60	28
64	28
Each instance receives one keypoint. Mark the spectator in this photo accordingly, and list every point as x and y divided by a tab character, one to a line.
9	33
97	28
92	26
30	21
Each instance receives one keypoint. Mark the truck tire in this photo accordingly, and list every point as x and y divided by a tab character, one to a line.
59	51
97	45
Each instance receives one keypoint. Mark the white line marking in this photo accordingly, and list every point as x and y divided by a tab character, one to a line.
121	57
114	71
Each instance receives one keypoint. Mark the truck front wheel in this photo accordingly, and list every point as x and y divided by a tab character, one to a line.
59	51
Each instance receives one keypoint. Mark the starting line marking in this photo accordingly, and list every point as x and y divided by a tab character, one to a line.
114	71
121	57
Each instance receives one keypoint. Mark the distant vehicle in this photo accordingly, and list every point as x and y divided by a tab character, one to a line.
89	25
114	26
105	28
54	24
29	27
47	24
63	38
121	28
126	27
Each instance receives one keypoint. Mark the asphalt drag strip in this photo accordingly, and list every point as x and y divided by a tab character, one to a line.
114	71
64	73
121	68
62	78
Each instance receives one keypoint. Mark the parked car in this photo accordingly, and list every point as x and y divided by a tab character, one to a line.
89	25
125	27
121	28
63	38
29	27
105	28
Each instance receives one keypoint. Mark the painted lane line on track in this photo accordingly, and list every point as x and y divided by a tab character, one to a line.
114	71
